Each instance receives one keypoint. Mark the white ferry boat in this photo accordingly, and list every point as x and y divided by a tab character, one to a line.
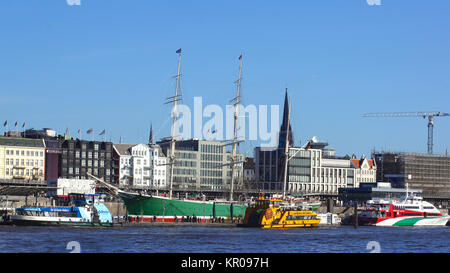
85	210
412	211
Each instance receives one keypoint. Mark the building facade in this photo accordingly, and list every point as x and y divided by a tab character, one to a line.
79	157
365	170
308	171
22	159
141	165
430	173
202	165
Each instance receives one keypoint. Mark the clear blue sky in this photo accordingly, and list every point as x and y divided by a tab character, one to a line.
109	65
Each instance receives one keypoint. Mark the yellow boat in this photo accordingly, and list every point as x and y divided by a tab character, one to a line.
276	213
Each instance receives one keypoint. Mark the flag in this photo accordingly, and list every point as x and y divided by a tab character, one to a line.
6	123
90	131
179	50
23	126
240	57
79	131
102	133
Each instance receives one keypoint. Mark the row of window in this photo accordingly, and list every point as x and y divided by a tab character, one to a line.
210	173
89	163
25	162
89	170
305	217
26	172
211	157
84	154
138	161
25	153
207	148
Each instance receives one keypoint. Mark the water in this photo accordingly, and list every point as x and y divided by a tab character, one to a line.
190	239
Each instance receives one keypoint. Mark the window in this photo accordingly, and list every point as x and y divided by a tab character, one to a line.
7	171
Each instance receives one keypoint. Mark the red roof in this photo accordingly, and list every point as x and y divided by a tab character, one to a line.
357	162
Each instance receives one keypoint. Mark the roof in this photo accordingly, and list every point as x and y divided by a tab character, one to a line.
123	149
24	190
22	142
357	163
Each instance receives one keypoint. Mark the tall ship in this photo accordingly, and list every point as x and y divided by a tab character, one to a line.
155	208
81	210
411	211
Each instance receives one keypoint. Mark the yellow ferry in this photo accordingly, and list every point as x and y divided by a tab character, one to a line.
276	213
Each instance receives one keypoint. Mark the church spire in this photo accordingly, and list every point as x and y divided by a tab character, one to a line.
284	126
150	138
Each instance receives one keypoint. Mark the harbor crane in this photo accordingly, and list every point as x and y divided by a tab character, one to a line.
430	116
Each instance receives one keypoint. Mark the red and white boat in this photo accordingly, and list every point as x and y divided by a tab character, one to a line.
412	211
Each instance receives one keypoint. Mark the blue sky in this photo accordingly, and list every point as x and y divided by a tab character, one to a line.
109	65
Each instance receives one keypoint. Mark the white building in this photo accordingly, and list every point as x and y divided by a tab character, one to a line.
365	170
311	169
70	185
141	165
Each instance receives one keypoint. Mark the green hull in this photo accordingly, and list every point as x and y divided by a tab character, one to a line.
163	207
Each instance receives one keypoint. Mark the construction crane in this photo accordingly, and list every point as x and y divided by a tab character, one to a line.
430	116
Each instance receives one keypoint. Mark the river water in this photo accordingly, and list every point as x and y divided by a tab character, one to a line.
191	239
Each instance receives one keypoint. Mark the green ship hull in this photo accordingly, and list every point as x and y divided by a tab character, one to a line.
157	208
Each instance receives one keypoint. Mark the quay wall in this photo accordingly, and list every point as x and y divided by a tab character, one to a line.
117	208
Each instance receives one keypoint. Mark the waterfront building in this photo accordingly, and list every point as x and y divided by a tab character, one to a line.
309	170
365	170
141	165
64	186
22	159
313	168
249	170
202	165
428	172
79	157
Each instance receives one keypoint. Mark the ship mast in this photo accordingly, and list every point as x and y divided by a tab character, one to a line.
236	116
286	149
174	100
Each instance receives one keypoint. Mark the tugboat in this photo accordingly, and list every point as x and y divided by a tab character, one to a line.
277	213
84	210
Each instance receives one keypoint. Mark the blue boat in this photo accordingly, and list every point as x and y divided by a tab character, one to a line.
82	210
